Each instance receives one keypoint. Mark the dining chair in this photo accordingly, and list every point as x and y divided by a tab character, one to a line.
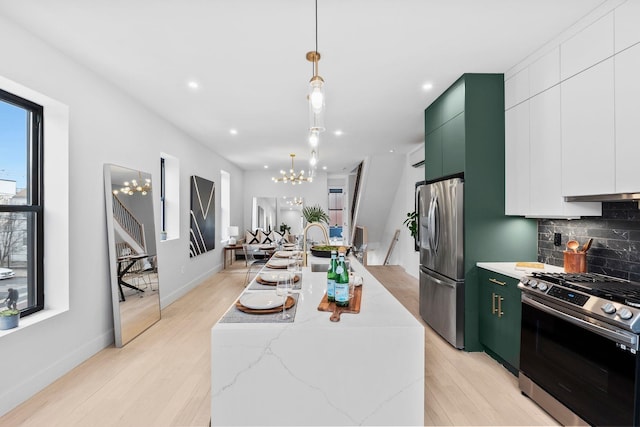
255	258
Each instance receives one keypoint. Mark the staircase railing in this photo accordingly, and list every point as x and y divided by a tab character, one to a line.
128	222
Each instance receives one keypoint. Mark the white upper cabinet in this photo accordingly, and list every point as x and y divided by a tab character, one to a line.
516	89
627	119
587	113
516	153
590	46
627	25
546	162
545	72
546	194
573	130
533	162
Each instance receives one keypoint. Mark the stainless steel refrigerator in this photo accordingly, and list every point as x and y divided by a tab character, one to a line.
441	236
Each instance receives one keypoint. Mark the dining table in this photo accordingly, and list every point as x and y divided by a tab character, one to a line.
125	263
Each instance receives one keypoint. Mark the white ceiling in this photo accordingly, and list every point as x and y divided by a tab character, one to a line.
249	58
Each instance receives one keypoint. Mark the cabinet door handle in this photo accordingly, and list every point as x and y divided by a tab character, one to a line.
500	312
493	303
497	282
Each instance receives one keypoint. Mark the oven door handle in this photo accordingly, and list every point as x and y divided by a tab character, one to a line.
621	337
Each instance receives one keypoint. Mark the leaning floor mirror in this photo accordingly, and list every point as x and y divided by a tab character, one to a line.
132	252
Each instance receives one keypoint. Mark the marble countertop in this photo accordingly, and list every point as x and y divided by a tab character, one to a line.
294	373
509	268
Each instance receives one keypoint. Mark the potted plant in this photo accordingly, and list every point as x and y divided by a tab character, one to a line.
9	318
284	227
315	214
412	223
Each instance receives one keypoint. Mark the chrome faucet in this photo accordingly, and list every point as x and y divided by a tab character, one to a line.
304	239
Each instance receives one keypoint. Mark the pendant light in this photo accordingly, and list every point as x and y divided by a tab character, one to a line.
316	95
314	138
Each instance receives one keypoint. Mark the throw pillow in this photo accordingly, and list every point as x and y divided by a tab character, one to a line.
277	236
265	238
252	237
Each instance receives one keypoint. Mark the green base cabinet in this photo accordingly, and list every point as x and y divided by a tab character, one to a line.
500	313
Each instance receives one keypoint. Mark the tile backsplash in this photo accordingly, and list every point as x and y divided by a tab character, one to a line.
616	240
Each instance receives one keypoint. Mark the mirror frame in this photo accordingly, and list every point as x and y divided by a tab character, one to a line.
273	212
113	257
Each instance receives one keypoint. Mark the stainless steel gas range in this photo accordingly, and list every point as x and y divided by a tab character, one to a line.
579	355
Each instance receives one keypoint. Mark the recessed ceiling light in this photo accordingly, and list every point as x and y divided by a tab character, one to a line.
324	168
338	132
233	131
266	166
427	86
391	151
193	84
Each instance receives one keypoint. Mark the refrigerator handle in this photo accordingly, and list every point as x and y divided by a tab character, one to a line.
436	224
434	232
430	224
448	283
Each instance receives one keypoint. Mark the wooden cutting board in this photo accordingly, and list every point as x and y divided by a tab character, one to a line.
354	305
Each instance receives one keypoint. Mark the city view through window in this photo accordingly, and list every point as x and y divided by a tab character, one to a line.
18	216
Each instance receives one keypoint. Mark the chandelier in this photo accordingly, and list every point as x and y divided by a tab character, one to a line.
297	201
142	186
292	176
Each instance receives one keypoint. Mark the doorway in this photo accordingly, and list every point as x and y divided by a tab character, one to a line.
338	227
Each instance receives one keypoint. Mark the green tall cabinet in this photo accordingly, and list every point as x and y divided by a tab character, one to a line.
464	135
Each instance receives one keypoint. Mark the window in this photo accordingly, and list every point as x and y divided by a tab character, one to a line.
225	204
163	188
336	206
169	197
21	202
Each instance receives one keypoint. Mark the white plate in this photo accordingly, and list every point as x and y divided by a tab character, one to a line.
261	300
286	254
278	262
272	276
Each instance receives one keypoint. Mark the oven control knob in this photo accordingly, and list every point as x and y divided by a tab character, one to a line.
608	308
533	283
542	287
625	314
524	281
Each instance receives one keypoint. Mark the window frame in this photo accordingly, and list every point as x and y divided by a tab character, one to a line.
163	188
35	199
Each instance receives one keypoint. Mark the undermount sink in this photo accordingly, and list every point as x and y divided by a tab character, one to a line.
324	267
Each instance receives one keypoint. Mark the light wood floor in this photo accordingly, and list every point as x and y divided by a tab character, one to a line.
162	378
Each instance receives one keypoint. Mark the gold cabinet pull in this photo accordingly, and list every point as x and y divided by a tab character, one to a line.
497	282
500	312
493	303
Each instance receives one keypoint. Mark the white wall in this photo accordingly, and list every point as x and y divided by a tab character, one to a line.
106	126
403	254
379	187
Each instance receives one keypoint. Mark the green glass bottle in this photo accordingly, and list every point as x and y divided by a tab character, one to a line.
332	276
342	282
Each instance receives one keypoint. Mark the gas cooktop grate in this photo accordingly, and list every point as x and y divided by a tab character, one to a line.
578	278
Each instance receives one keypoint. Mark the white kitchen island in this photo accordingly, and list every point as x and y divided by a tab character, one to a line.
367	369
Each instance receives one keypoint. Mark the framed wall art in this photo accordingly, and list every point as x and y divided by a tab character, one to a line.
203	216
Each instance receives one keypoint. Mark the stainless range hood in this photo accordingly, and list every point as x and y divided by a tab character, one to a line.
620	197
